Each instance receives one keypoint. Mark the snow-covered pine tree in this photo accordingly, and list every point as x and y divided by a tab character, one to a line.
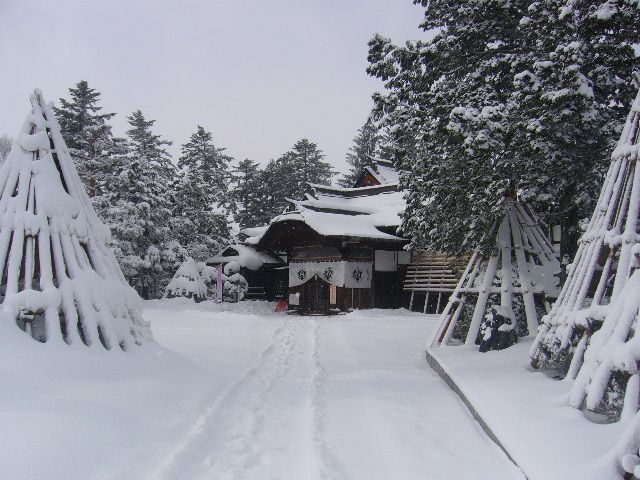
61	282
570	102
362	152
275	185
386	147
308	166
187	282
201	155
288	176
202	202
88	135
446	107
138	209
245	193
464	110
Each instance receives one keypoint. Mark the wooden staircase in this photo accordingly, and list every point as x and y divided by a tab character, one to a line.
433	274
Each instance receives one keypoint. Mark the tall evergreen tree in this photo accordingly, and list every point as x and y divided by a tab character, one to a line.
245	194
202	196
308	165
138	208
87	134
446	107
200	154
572	99
275	186
362	152
289	176
279	182
504	97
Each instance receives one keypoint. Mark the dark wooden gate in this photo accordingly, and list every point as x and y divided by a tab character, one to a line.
314	296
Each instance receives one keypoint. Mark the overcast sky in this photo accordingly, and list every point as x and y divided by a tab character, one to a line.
260	74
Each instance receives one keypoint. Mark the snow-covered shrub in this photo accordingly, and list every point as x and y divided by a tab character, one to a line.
231	268
209	277
187	282
498	329
235	286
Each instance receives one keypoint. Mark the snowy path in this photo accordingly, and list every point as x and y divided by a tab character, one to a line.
241	393
268	424
344	398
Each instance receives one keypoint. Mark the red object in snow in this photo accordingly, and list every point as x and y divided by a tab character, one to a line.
281	306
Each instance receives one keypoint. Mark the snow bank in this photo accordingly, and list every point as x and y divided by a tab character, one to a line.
529	414
185	305
78	414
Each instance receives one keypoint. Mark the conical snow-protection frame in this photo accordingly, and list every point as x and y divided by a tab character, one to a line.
61	283
603	263
520	275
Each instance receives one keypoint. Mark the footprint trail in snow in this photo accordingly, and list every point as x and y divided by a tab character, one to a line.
270	423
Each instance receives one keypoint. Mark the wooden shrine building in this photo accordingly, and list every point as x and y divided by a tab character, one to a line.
344	252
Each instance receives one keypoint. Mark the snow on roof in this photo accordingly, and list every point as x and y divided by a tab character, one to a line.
335	224
384	171
382	210
385	175
246	255
350	212
253	240
326	202
354	191
381	180
254	231
388	174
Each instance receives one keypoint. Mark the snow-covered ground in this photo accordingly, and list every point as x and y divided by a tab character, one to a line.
530	414
238	392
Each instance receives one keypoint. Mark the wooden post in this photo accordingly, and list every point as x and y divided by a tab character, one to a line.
411	301
448	318
451	325
426	302
483	296
526	288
